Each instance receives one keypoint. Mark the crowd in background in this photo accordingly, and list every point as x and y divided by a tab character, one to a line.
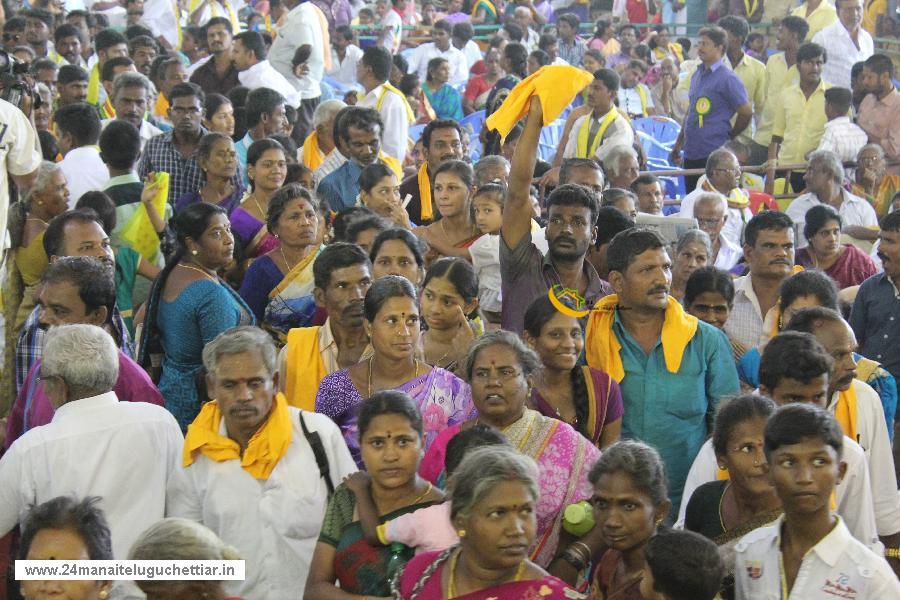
452	299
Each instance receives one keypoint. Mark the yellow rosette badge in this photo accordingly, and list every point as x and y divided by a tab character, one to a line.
702	106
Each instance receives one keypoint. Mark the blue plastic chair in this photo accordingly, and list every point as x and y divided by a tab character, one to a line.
549	140
415	132
675	187
473	122
662	129
653	148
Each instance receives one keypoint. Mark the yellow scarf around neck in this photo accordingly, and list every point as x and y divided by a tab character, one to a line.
305	367
427	211
584	132
388	88
312	155
845	412
737	198
602	347
267	446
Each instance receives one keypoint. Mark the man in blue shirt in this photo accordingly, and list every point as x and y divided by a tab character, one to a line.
876	311
357	136
265	116
673	369
716	94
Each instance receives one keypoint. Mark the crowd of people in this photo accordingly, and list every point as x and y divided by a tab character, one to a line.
385	298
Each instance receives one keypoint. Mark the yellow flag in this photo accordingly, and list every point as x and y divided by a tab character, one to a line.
139	232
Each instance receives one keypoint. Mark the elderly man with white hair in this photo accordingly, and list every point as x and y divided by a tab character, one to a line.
621	166
334	158
823	178
319	144
125	452
709	210
257	471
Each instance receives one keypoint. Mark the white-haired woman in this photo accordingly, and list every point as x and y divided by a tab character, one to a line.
493	499
693	250
181	539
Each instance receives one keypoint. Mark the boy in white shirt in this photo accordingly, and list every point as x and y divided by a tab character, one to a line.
842	136
808	552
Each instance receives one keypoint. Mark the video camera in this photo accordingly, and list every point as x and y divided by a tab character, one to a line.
15	83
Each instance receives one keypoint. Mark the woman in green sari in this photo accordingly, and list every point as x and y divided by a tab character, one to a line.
391	440
445	100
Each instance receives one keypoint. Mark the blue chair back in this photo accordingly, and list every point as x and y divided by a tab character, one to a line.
473	122
549	140
415	132
662	129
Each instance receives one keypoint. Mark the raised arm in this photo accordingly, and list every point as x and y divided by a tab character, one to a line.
517	212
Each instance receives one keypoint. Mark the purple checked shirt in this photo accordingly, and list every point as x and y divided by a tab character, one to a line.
725	93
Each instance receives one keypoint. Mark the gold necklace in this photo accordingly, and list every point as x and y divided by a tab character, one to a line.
38	220
369	378
444	230
258	206
451	585
423	494
437	363
199	270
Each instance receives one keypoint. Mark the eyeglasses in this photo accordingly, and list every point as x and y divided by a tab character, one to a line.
709	222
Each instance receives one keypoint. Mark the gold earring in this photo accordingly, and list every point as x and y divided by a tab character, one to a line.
103	594
461	533
659	521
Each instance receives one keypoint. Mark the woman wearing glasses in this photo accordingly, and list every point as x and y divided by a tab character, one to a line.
499	367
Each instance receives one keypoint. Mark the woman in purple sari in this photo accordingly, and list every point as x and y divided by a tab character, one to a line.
492	507
392	322
266	169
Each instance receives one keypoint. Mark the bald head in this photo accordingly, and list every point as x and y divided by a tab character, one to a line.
709	210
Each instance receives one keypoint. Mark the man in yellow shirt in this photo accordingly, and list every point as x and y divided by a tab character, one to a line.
818	13
800	116
781	72
750	71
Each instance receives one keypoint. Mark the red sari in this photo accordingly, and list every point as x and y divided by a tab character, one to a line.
421	580
851	268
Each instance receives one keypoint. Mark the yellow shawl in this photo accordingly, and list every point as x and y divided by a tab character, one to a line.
555	85
267	446
602	348
305	367
162	106
312	156
845	413
388	88
582	150
93	93
427	211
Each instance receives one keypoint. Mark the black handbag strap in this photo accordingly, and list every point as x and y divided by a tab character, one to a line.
315	442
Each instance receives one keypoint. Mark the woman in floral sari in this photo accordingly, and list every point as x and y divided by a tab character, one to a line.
392	322
445	100
494	480
499	367
278	286
388	419
266	169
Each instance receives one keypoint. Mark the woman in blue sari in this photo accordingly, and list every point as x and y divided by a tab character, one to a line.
444	99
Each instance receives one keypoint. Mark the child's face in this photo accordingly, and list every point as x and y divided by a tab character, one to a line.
591	64
381	8
488	213
804	476
758	45
365	19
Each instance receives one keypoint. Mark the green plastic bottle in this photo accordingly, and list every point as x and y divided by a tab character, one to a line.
578	518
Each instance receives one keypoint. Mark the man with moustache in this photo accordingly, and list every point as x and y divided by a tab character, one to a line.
342	274
879	111
876	311
75	289
441	140
858	409
252	469
673	369
525	272
131	93
218	73
769	252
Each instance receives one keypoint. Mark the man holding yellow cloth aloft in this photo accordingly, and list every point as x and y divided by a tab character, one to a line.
858	409
256	471
673	369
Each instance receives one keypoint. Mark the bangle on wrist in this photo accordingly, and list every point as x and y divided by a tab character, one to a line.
892	553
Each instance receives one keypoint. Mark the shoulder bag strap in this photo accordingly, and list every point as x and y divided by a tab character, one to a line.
315	442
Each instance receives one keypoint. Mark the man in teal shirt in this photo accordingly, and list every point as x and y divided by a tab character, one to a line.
673	369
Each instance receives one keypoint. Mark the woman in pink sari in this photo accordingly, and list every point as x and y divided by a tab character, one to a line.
492	507
499	367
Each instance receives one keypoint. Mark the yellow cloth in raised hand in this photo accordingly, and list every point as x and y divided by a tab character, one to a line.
555	85
602	347
267	446
312	155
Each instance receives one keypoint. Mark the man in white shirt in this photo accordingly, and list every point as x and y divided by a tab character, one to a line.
808	552
823	178
255	71
390	14
723	177
862	406
842	136
522	17
462	39
124	452
304	24
709	210
265	498
846	42
769	252
635	99
373	72
79	129
345	56
795	369
440	47
131	93
20	156
596	134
